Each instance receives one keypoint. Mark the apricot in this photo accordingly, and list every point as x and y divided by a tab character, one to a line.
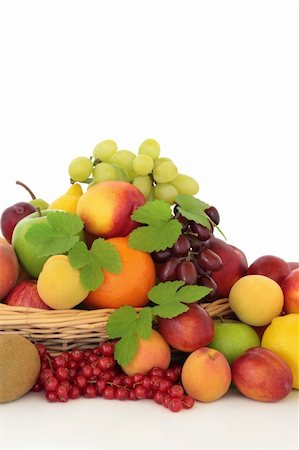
106	208
59	284
206	375
152	352
9	268
256	299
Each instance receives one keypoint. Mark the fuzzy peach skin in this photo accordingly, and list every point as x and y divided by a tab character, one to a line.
106	208
206	375
9	268
152	352
261	375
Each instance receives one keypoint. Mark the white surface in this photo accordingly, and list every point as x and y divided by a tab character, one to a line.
232	422
216	82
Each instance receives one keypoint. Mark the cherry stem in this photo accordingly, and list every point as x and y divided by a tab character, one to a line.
20	183
27	189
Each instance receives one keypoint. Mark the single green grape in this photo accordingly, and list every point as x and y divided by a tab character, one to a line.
80	168
159	161
144	184
150	147
104	172
124	159
104	150
185	185
122	174
165	172
143	164
166	192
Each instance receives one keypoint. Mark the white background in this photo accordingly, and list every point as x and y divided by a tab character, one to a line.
216	83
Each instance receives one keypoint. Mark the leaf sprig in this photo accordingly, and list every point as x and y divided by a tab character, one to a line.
56	234
102	255
126	323
160	229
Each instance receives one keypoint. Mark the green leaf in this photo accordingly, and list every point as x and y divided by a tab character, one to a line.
144	322
193	209
102	255
108	255
79	255
169	310
120	321
170	297
56	234
155	237
126	348
161	229
126	324
152	213
61	221
91	277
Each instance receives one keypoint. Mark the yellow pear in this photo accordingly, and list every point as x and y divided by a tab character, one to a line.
68	201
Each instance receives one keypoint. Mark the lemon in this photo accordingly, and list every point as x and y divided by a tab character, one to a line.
68	201
282	337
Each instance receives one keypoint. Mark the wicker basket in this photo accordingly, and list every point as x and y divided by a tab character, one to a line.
63	330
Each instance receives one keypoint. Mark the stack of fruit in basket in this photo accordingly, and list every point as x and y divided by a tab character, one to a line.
139	238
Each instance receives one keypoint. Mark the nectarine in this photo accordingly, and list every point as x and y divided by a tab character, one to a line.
106	208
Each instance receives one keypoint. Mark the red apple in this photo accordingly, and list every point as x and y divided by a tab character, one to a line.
234	266
270	266
290	288
12	215
188	331
25	294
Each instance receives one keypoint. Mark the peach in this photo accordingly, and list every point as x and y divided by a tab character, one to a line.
152	352
262	375
206	375
290	288
188	331
106	208
9	268
59	285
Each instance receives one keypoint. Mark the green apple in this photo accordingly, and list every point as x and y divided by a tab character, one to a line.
27	253
39	203
233	338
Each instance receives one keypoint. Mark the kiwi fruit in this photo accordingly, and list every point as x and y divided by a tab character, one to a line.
19	366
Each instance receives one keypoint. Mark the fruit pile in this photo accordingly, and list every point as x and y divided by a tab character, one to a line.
130	235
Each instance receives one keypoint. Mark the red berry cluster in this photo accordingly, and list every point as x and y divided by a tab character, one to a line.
95	373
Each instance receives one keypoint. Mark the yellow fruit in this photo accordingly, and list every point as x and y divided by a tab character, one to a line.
59	284
282	337
19	366
256	299
68	201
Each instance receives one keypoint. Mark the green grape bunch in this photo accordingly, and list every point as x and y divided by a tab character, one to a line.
156	177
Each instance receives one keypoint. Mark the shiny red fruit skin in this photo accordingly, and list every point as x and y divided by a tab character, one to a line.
25	294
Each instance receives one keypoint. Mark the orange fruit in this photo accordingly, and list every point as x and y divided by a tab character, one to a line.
130	287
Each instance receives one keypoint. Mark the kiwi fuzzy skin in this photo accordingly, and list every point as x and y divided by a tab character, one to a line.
19	366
